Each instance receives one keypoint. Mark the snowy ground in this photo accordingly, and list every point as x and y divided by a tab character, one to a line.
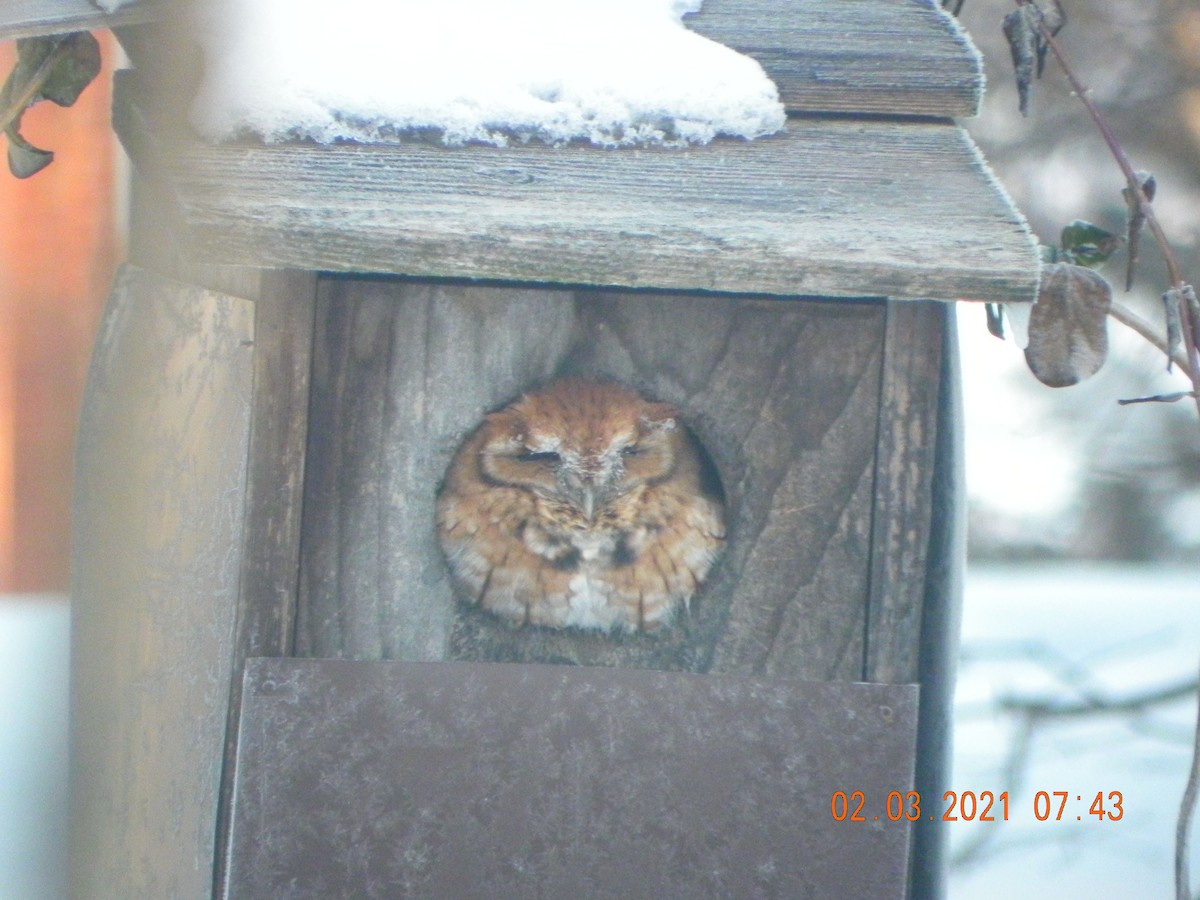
34	635
1050	633
1067	634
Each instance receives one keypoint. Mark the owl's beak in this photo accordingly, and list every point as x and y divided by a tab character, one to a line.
588	493
587	502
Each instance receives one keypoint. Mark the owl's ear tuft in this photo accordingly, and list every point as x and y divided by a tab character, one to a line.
504	430
503	421
659	416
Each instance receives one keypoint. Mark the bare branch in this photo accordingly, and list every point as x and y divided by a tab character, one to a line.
1014	775
1136	193
1053	709
1187	811
1131	319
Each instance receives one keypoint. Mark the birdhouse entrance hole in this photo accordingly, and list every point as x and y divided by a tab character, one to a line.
783	394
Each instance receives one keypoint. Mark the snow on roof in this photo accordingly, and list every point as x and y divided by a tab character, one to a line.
613	72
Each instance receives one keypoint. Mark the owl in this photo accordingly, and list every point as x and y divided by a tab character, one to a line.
581	505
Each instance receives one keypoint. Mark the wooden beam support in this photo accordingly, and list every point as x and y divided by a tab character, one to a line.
904	474
283	340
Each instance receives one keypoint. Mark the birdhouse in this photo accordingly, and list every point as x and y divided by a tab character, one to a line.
280	689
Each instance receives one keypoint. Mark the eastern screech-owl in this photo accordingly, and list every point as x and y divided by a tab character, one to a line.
581	504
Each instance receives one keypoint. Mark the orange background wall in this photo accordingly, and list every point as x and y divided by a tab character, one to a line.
58	251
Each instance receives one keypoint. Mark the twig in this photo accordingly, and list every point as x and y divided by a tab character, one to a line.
1187	807
1010	780
1130	319
1187	811
1174	270
1042	709
30	89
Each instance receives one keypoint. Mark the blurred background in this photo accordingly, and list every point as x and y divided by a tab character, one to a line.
60	242
1081	621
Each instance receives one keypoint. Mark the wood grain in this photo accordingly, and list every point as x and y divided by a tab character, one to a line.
894	57
831	208
284	311
890	57
784	395
160	491
29	18
400	372
903	492
283	328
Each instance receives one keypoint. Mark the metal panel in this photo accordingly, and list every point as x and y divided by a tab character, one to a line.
476	780
160	491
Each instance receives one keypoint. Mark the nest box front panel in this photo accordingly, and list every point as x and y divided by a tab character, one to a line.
783	396
484	781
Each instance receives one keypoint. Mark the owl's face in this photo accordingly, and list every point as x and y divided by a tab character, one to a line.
580	505
581	446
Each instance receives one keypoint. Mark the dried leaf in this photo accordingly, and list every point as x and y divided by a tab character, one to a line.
24	159
1021	35
1054	18
1160	398
1088	245
55	68
1188	295
1136	219
1172	300
1022	29
79	64
995	319
1068	328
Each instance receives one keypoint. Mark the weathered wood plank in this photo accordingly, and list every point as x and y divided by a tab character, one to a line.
903	504
159	495
283	327
284	313
400	372
831	208
29	18
783	395
941	609
895	57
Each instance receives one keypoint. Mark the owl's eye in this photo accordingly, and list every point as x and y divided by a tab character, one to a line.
631	450
539	456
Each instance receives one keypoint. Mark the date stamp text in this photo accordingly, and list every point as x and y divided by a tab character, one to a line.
977	806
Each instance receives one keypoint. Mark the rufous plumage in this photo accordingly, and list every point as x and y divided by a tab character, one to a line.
581	505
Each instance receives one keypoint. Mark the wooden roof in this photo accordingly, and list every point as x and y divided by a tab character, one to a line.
882	56
872	190
29	18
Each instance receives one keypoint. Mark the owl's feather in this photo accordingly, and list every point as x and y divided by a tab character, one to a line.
582	505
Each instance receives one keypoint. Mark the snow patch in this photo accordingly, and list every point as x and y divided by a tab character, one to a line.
615	72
